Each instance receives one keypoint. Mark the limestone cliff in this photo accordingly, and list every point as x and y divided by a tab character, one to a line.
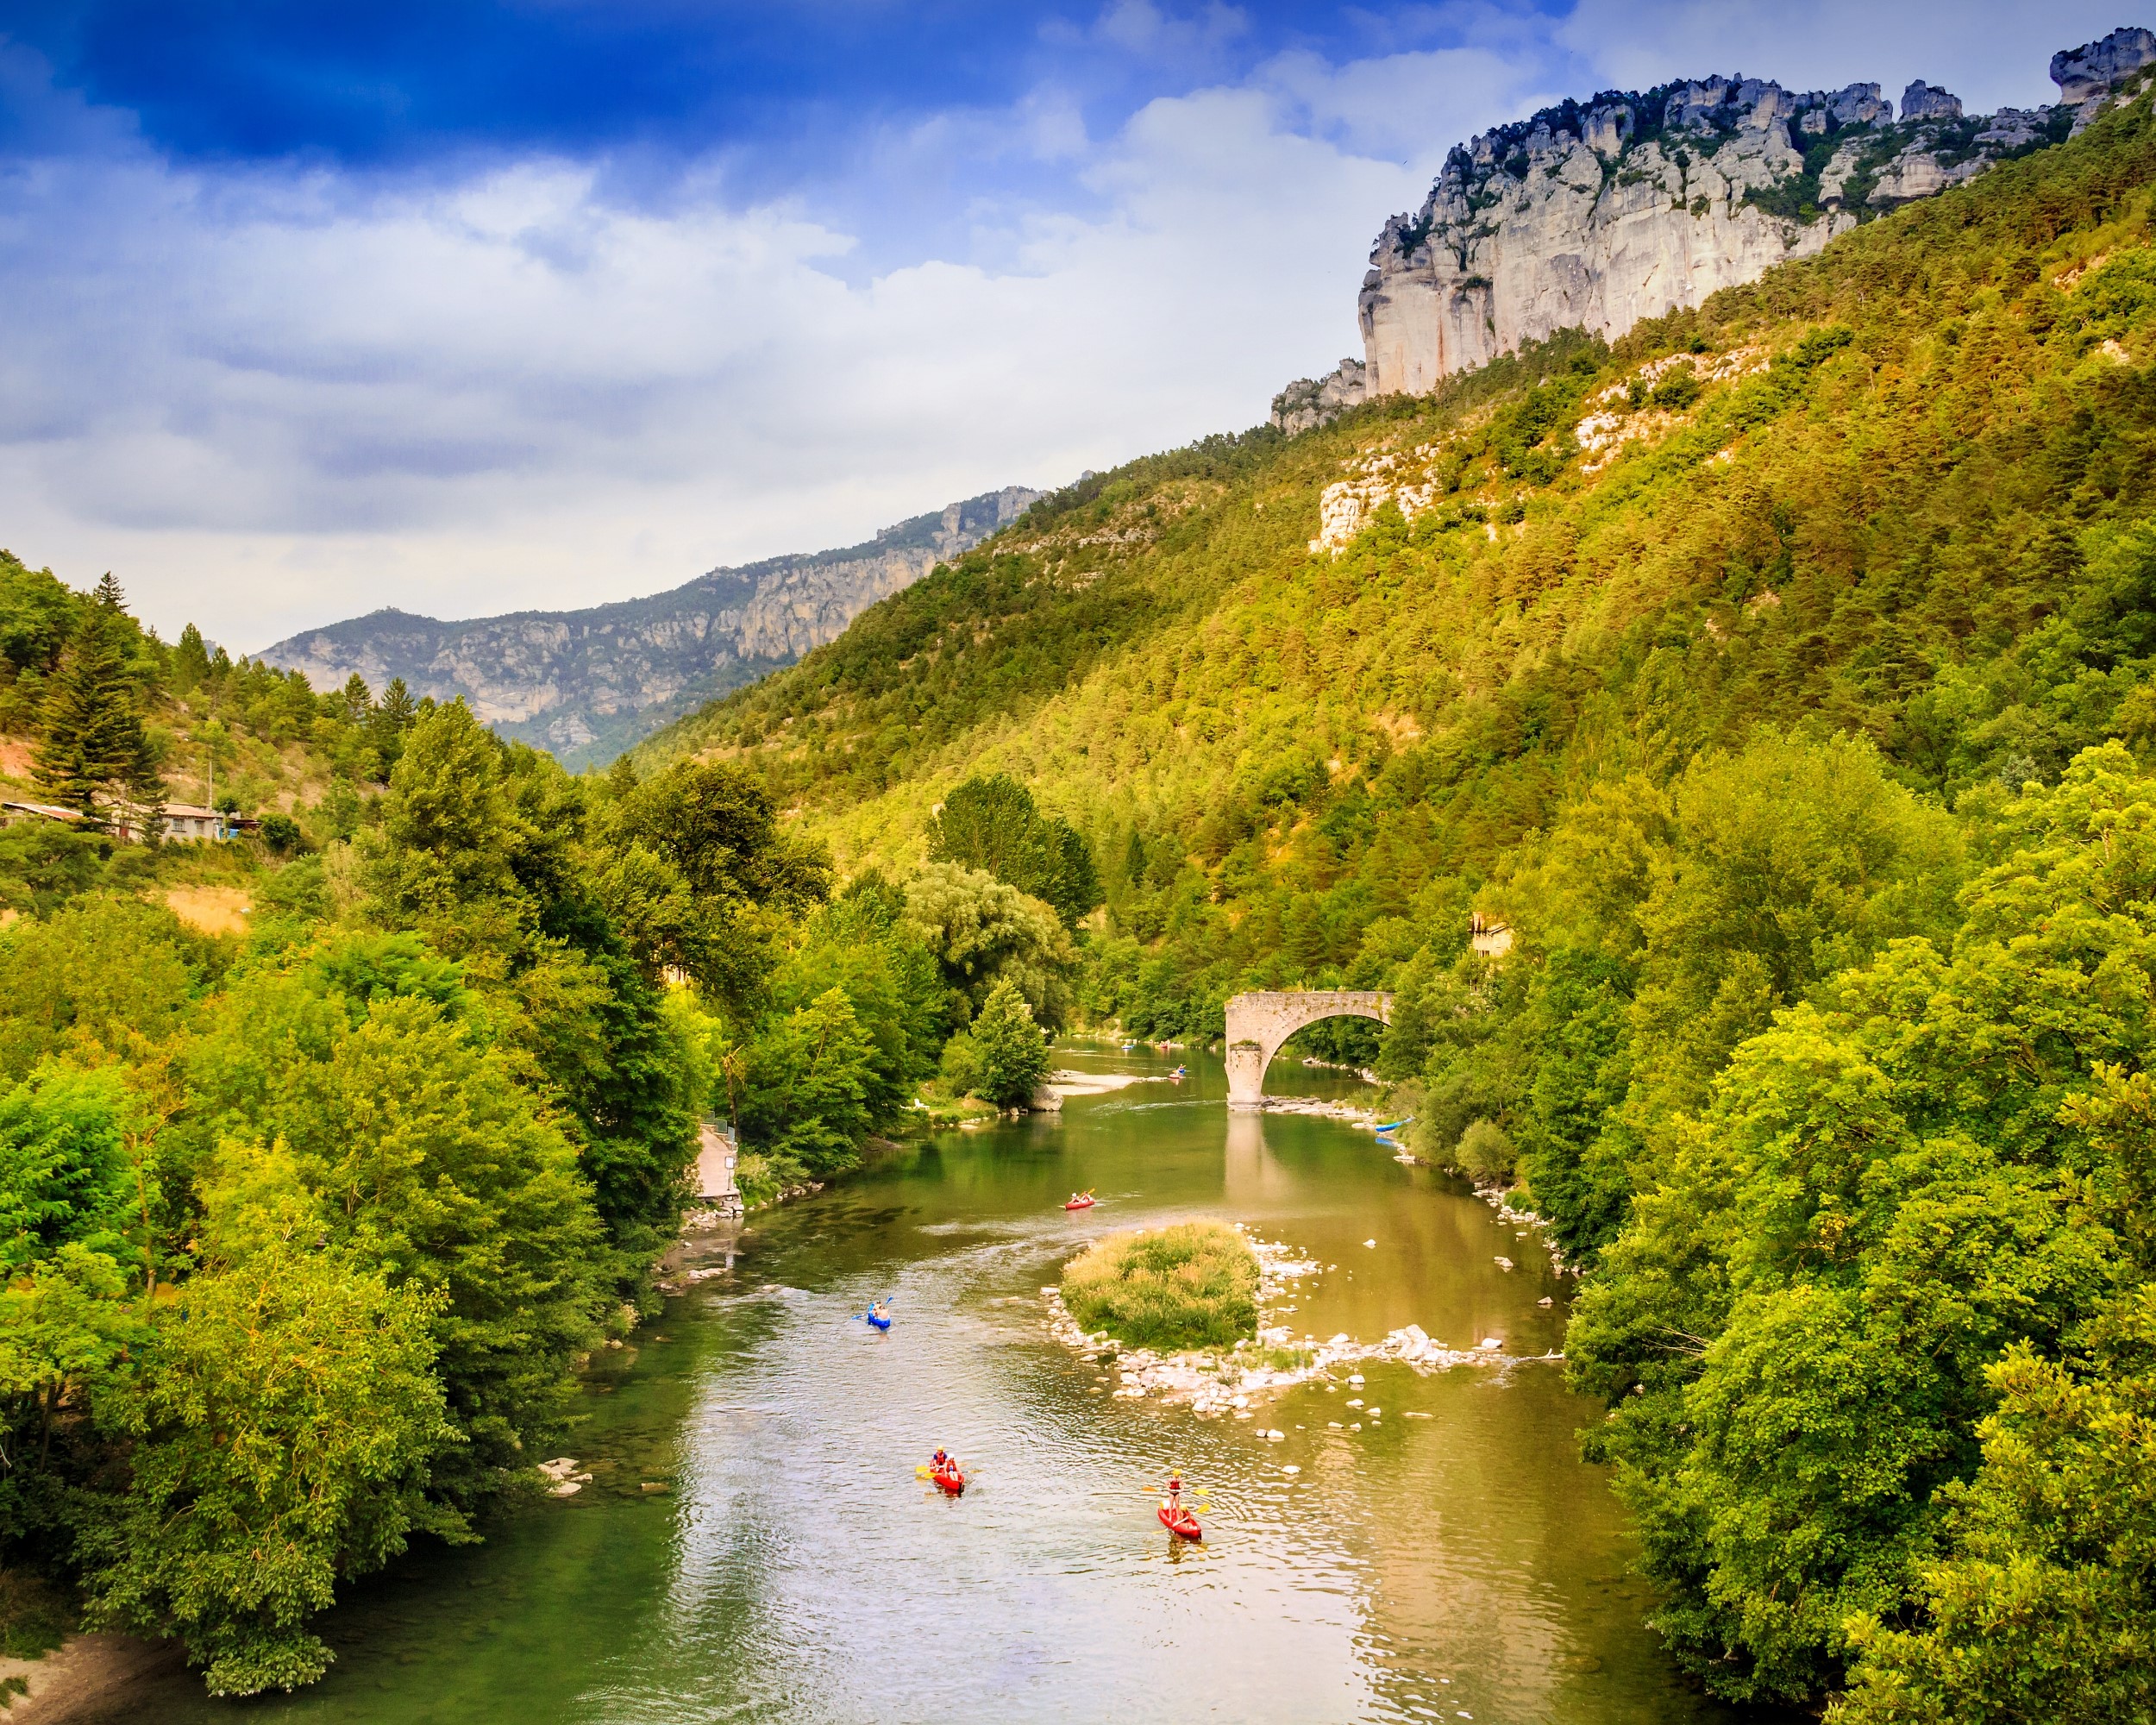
1595	215
586	684
1312	401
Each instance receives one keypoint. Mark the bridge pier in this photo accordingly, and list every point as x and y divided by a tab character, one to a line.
1246	1063
1259	1023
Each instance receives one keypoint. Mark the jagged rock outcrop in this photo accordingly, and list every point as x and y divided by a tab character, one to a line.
1312	401
588	684
2090	75
1597	215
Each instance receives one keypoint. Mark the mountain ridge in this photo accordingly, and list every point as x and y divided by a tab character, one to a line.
587	683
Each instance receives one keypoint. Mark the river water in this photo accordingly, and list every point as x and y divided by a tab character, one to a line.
755	1544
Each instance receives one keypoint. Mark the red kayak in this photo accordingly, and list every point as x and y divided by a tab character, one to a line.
952	1483
1085	1203
1183	1526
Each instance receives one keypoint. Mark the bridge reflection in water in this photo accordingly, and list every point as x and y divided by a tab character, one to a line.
1259	1023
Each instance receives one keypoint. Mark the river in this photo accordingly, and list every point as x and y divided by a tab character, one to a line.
755	1544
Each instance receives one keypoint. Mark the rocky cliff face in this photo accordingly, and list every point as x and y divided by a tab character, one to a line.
1312	401
586	684
1597	215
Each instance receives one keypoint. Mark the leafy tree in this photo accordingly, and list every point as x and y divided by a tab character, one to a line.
806	1088
1003	1058
490	851
987	824
282	1431
37	616
69	1337
702	880
43	864
429	1160
1789	861
641	1107
862	944
1889	1193
450	826
981	931
65	1175
991	824
100	975
2044	1608
340	811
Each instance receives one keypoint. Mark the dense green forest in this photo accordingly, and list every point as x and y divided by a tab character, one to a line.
328	1152
1780	676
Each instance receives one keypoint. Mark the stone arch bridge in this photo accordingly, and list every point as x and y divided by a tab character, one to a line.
1259	1023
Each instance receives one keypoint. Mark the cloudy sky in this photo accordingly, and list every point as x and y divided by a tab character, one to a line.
466	307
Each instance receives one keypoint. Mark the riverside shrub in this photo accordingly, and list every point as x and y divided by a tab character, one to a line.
1189	1286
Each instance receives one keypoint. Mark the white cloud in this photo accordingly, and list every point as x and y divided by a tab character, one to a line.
268	403
270	398
1410	107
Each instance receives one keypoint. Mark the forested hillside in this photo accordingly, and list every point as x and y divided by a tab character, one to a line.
331	1148
1781	676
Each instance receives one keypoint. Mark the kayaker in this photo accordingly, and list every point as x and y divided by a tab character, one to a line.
942	1464
880	1311
1175	1503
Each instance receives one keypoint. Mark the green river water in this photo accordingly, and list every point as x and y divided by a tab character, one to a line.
1464	1565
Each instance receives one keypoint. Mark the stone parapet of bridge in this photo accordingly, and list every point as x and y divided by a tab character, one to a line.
1259	1023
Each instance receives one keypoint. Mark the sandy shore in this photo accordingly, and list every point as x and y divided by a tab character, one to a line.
1066	1083
83	1674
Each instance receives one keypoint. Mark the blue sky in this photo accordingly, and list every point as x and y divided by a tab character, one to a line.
468	308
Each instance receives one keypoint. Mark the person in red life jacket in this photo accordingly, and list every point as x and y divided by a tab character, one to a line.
940	1464
1174	1506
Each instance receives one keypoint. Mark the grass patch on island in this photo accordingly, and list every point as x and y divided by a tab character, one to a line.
1189	1286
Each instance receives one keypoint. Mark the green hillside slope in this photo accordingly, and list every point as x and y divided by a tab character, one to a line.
1883	532
1781	676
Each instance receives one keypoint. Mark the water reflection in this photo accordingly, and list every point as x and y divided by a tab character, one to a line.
1450	1556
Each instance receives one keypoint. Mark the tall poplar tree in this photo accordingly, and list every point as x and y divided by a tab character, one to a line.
94	747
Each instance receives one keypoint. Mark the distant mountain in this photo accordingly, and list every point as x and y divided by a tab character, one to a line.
588	684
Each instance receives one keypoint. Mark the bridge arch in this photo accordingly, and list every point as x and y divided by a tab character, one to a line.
1259	1023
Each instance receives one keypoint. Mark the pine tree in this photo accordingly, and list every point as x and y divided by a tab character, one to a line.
94	747
190	662
393	715
396	709
359	699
